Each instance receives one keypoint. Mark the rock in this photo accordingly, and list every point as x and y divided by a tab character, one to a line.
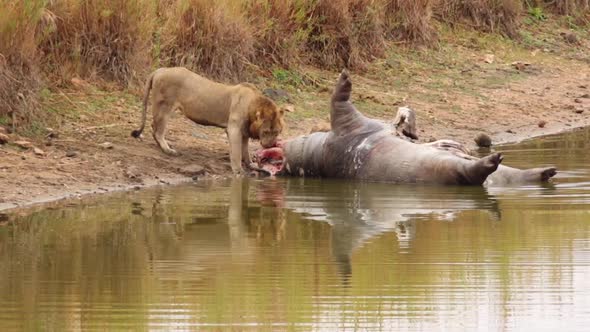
277	94
71	154
542	123
133	173
38	151
106	145
510	131
192	170
488	58
3	138
23	144
586	96
570	38
520	65
483	141
579	110
199	135
320	127
79	83
582	86
578	100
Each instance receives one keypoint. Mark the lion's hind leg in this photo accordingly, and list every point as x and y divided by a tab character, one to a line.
162	112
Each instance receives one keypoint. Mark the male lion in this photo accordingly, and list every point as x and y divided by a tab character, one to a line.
241	109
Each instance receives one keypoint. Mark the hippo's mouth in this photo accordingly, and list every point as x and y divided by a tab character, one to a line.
271	160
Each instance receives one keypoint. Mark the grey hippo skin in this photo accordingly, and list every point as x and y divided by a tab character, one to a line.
361	148
504	175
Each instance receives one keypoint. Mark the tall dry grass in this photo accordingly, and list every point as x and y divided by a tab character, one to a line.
22	25
120	41
411	20
486	15
99	39
211	37
343	33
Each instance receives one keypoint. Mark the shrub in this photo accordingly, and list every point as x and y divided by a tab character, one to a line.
208	36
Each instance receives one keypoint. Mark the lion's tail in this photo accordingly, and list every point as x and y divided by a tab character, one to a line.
146	95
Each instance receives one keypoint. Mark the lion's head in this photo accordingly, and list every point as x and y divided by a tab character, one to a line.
266	121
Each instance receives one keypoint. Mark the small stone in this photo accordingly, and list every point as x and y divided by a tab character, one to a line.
106	145
192	170
586	96
277	95
582	86
488	58
579	111
3	138
510	131
71	154
23	144
570	38
38	151
483	141
578	100
542	123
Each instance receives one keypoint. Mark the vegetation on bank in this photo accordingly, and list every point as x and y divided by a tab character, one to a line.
46	43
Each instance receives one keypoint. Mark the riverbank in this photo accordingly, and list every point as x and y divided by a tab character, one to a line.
472	83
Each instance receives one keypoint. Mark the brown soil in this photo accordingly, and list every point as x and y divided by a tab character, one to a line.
456	96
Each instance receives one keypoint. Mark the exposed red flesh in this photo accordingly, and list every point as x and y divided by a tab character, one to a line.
271	159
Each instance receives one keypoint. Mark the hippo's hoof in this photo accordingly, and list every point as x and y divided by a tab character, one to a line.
548	173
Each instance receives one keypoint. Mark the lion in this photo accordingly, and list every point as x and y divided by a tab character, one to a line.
241	109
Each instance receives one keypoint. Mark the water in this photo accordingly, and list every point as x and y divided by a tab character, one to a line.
310	255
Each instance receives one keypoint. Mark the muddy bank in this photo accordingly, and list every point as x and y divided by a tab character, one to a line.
91	151
27	194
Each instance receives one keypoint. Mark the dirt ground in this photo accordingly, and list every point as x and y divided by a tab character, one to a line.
510	93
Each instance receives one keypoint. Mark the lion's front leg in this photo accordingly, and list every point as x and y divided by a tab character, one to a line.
234	136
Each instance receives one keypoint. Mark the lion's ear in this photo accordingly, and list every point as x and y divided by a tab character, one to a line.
288	108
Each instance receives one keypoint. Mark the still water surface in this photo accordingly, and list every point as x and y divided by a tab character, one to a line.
306	254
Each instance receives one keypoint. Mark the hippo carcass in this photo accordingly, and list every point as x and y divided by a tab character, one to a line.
362	148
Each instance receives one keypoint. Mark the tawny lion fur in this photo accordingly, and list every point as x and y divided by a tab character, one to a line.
241	109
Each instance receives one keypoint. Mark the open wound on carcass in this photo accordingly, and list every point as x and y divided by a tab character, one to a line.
270	160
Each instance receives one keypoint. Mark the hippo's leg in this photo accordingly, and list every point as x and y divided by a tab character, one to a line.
477	172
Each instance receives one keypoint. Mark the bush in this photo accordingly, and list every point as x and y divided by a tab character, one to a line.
20	29
99	39
208	36
410	20
487	15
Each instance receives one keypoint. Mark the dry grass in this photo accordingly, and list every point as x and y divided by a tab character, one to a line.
344	33
20	30
486	15
209	36
122	40
98	39
411	20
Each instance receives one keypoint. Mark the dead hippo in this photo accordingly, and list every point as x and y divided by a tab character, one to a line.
361	148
